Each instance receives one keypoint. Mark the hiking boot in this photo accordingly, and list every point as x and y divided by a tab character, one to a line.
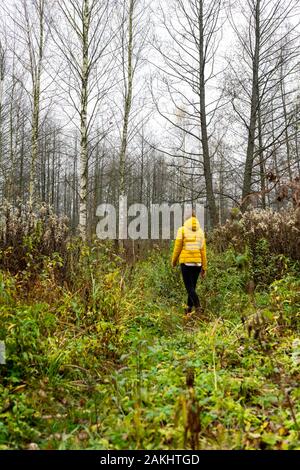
188	310
200	311
188	316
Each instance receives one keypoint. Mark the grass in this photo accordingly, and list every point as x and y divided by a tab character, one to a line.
108	369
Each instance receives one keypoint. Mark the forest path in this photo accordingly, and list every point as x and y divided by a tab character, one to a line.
150	392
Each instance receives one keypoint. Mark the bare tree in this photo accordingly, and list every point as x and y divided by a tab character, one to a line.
31	33
2	78
131	42
194	30
258	60
83	32
128	72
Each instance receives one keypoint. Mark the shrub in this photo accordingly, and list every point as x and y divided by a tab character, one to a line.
271	238
26	237
281	230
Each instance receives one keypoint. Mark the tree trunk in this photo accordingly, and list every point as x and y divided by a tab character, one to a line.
36	72
213	214
261	163
247	182
2	74
84	123
286	124
127	108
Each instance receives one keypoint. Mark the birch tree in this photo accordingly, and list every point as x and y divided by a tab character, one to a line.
2	78
83	32
128	72
134	29
31	25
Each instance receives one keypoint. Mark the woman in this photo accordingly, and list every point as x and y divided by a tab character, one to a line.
190	250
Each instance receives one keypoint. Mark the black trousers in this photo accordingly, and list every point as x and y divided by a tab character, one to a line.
190	276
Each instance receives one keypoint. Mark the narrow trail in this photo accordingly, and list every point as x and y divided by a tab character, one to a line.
138	375
151	401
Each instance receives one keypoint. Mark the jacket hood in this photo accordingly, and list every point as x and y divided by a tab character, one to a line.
192	224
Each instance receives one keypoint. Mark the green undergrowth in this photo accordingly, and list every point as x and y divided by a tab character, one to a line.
102	362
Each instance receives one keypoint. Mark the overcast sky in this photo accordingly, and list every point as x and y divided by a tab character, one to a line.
153	66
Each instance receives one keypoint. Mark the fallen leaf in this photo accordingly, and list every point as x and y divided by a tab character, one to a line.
19	388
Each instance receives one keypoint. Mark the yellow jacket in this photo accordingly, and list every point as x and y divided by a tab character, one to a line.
190	245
